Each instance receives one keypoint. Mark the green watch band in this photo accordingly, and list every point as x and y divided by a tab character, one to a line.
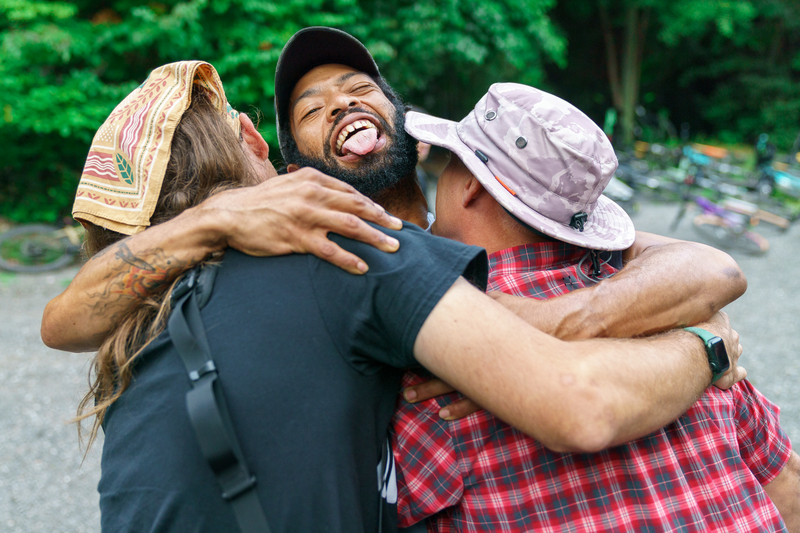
702	333
715	350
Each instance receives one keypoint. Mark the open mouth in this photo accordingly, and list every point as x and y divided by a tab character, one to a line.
358	136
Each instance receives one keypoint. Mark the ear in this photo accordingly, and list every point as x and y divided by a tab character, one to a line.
291	167
252	138
472	191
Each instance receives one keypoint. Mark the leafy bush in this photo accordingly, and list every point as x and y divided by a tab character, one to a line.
66	65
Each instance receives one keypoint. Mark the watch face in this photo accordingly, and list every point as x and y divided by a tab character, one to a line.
719	360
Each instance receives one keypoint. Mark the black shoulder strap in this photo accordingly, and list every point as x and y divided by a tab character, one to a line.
208	411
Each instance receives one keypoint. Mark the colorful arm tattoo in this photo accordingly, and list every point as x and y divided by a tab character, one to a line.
135	277
143	278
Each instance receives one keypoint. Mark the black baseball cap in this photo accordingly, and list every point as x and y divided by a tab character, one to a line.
310	48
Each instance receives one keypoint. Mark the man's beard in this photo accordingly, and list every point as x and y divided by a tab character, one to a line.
376	171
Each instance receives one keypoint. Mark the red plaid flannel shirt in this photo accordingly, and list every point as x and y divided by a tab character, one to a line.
701	473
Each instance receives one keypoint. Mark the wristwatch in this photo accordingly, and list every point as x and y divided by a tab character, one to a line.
715	349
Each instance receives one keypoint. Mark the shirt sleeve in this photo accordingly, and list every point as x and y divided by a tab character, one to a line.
764	446
375	318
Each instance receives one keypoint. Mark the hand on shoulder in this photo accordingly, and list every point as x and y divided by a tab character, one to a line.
295	212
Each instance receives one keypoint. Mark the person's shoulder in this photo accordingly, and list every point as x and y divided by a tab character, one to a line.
411	235
422	252
245	267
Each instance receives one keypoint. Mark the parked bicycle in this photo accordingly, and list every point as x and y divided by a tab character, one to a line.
725	228
32	248
729	221
636	173
778	176
774	176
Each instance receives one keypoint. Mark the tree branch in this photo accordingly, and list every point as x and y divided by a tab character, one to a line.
611	56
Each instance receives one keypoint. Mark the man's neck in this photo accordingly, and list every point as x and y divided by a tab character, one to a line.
486	224
513	240
405	200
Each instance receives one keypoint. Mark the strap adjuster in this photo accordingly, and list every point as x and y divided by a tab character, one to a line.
240	487
183	286
207	368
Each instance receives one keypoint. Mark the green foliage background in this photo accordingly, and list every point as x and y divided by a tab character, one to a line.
731	68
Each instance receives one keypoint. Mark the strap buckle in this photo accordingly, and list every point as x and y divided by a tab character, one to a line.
239	487
183	286
207	368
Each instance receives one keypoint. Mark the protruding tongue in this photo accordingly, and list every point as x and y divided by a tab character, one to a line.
362	142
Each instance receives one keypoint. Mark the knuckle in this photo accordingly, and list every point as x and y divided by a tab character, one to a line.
309	188
457	410
463	404
296	214
432	389
350	221
424	388
376	236
346	187
311	173
327	248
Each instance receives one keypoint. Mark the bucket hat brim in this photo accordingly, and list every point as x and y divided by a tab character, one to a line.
607	228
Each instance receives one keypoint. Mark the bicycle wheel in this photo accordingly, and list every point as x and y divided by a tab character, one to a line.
715	229
752	243
679	216
34	248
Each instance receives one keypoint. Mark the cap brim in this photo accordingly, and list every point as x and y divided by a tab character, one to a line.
310	48
608	227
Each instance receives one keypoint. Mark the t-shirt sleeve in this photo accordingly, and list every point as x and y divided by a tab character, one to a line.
375	318
764	446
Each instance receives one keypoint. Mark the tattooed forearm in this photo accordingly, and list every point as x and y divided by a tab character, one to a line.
125	255
135	276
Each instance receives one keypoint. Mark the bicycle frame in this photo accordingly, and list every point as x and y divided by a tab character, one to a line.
726	228
738	221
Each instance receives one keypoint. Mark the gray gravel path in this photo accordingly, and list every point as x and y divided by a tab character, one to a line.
44	488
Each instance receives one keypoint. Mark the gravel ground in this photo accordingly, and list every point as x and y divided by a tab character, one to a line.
45	488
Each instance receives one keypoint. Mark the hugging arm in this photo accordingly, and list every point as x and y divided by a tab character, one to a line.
666	283
286	214
580	396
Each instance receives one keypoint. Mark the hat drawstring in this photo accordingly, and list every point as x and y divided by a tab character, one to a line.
595	265
595	273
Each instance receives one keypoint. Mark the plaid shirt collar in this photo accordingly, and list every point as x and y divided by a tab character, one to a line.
543	270
526	258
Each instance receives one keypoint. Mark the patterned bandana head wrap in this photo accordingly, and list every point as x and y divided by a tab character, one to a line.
125	167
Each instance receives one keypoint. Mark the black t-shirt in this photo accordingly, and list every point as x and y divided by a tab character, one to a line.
309	360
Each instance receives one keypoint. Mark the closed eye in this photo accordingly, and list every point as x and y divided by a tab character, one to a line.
310	112
363	88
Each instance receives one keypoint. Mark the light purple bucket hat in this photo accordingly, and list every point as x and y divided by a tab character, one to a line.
541	158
